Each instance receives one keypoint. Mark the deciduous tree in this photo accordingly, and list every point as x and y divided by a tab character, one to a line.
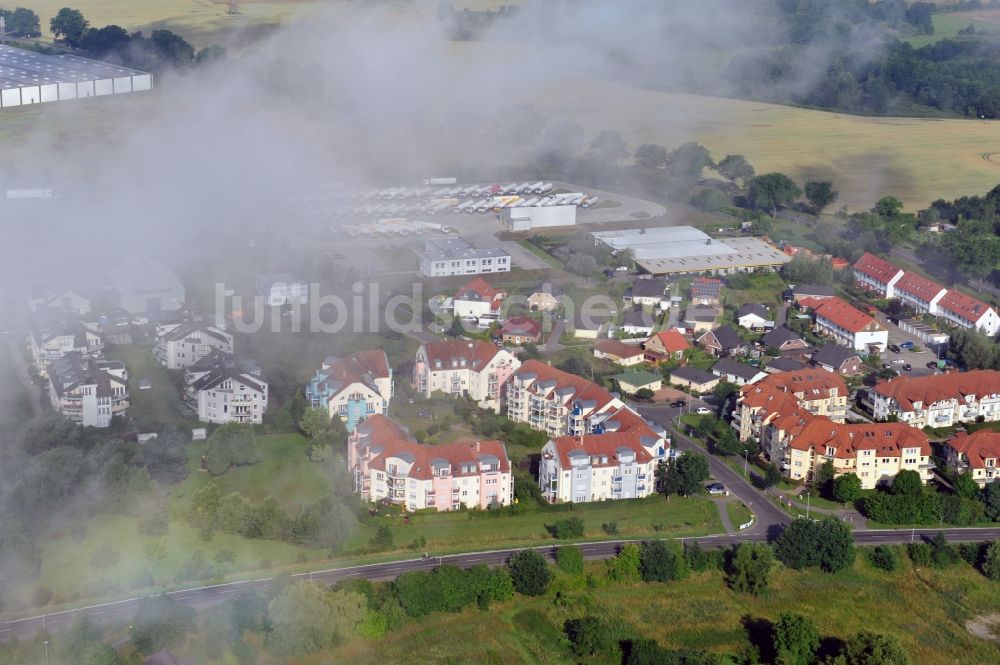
69	25
796	639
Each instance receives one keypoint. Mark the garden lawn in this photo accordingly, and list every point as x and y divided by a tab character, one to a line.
738	513
638	518
159	405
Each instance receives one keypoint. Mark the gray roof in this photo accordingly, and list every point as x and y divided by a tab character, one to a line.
449	249
693	374
701	313
19	68
638	319
779	336
730	366
753	308
832	355
649	288
785	364
727	337
141	274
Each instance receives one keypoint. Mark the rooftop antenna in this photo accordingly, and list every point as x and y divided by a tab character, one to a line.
234	7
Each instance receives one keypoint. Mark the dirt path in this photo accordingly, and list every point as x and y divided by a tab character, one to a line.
986	626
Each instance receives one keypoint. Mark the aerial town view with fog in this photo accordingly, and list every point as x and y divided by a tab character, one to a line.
535	331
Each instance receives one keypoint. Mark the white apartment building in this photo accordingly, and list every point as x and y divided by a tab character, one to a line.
848	326
389	465
89	392
965	311
878	275
353	387
919	293
810	391
475	369
282	288
977	454
943	400
596	467
444	257
180	345
223	390
50	343
478	300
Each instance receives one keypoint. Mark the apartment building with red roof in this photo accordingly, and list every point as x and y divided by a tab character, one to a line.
877	274
847	325
596	467
920	293
352	387
810	391
389	465
967	312
475	369
875	452
942	400
977	454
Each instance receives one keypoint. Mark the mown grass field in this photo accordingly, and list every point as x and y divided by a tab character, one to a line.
947	25
925	610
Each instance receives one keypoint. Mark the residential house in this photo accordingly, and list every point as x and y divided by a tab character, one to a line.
222	389
146	287
784	340
478	300
838	359
632	382
183	344
754	317
282	288
51	340
967	312
353	387
814	291
544	299
647	292
847	326
474	369
700	318
705	290
87	391
61	299
875	274
519	330
942	400
619	352
739	373
875	452
977	454
783	364
596	468
389	465
697	380
666	345
919	293
637	322
723	342
807	391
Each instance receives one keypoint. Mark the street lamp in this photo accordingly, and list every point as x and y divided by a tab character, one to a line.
807	505
46	643
746	461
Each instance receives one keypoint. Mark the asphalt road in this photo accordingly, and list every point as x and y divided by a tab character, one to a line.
206	596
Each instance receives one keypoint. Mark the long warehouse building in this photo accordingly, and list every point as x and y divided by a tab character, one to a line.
28	78
685	249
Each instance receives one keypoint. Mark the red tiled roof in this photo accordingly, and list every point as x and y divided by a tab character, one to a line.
379	431
906	390
878	269
840	313
601	445
477	286
672	341
918	286
977	447
964	306
521	325
361	367
613	347
812	383
583	389
887	439
476	354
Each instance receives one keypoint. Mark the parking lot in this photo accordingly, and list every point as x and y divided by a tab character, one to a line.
917	359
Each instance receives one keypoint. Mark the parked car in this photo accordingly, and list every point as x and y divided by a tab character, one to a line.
894	348
717	489
907	367
886	366
898	361
678	404
907	346
703	411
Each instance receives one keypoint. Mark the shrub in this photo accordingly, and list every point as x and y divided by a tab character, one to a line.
696	557
660	562
750	567
529	572
569	559
382	540
920	554
884	557
568	528
972	553
625	567
588	636
991	562
610	528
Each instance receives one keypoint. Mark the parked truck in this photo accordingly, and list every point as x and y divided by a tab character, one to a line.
440	181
